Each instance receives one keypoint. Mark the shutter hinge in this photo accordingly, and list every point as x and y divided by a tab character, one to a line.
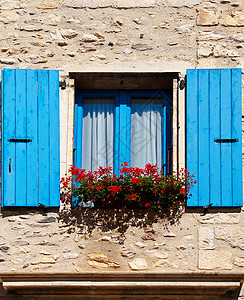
182	84
62	85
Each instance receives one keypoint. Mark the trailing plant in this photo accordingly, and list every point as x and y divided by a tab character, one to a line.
133	188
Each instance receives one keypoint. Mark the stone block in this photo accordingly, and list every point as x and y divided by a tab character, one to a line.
110	3
9	4
207	17
7	61
214	259
239	261
134	3
48	5
231	234
204	50
68	33
235	18
209	36
206	238
138	264
184	28
8	17
220	218
181	3
88	3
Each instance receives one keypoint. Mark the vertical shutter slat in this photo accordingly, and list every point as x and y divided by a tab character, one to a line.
32	159
226	153
8	131
43	133
128	130
116	135
215	170
237	133
192	132
123	126
165	140
21	155
203	132
79	133
54	138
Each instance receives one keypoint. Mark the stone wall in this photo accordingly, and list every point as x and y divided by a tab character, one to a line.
121	241
91	35
59	34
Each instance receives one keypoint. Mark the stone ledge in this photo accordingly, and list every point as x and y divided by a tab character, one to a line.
119	285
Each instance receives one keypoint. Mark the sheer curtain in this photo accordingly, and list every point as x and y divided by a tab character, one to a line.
146	131
98	133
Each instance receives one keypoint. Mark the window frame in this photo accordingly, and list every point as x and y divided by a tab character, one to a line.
122	124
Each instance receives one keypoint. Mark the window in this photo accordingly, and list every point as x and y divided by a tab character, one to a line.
113	126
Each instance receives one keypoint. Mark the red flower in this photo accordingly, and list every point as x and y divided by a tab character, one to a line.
135	180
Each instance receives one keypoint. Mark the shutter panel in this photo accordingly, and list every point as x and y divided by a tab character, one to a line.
213	108
30	117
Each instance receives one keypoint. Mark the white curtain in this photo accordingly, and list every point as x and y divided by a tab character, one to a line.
146	132
98	133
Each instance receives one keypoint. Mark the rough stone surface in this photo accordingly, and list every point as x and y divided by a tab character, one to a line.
48	5
138	264
220	218
215	259
184	28
234	235
206	238
181	3
9	17
169	233
157	254
48	220
141	47
209	36
128	253
235	18
239	261
207	17
165	264
70	255
10	4
204	50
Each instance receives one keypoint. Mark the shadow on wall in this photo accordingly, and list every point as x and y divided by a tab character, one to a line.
115	219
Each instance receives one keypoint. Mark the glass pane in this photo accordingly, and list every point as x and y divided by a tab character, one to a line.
98	133
146	131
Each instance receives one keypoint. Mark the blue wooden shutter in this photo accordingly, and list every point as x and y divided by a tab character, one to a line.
30	110
214	113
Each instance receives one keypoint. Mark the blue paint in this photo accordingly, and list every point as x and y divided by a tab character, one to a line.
20	132
44	138
214	112
128	129
203	149
116	135
123	146
122	121
192	141
30	110
32	158
214	132
8	131
164	150
226	148
54	161
237	194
